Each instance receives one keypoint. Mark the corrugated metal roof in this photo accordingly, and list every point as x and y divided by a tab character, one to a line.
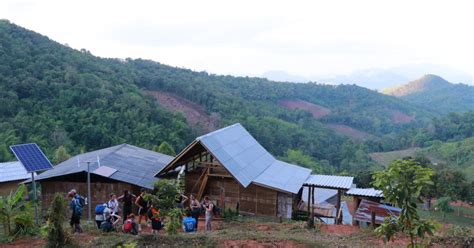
366	207
13	171
369	192
337	182
321	196
239	152
285	176
134	165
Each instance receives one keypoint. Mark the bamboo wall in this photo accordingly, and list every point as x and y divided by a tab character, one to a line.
227	192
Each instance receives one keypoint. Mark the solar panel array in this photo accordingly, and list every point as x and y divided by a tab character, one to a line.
31	156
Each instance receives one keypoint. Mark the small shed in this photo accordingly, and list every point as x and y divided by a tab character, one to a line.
231	167
113	170
12	174
338	183
374	212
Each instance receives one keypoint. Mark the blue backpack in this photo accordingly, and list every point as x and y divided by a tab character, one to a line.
99	209
77	207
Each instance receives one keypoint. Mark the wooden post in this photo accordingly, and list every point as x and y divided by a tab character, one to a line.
309	198
338	207
372	219
312	202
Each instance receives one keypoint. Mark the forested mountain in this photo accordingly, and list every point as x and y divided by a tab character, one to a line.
434	93
54	95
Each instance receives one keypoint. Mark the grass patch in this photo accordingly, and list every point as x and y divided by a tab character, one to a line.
450	218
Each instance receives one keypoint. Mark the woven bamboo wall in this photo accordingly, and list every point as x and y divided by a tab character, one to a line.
100	191
227	192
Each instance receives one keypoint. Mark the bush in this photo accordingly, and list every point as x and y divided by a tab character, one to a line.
455	236
56	235
229	214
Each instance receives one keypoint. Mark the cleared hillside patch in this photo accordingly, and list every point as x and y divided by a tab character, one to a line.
399	117
194	113
349	131
317	111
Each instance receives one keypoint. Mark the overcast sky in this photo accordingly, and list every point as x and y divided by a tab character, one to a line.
252	37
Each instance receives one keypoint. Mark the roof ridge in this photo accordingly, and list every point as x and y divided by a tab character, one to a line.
220	130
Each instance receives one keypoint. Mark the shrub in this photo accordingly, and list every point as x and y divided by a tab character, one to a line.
56	235
229	214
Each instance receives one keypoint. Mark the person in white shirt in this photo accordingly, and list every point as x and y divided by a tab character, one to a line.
113	204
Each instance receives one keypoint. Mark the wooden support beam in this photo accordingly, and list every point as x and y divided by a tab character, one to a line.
338	207
312	202
309	198
220	175
372	219
203	184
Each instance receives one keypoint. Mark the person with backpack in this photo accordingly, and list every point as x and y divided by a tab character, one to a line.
189	223
209	208
110	220
99	214
76	213
127	202
142	205
130	226
154	215
195	208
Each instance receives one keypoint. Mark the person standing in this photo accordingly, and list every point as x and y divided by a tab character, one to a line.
142	205
209	208
127	201
195	208
76	213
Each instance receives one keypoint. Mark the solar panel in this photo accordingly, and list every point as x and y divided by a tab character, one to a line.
31	156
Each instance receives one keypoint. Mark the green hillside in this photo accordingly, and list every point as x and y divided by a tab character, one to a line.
457	155
55	95
436	94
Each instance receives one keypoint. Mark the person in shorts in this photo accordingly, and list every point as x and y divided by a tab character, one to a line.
142	205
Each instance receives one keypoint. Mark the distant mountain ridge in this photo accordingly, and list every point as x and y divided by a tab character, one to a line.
435	93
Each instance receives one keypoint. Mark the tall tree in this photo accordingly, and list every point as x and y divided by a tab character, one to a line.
402	183
165	148
61	155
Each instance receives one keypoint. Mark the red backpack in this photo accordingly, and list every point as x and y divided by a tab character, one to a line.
128	226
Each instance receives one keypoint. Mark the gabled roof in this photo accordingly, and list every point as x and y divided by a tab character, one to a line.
370	192
326	181
247	161
13	171
133	164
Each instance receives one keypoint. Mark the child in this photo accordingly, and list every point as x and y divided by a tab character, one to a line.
189	223
209	208
154	216
130	226
113	204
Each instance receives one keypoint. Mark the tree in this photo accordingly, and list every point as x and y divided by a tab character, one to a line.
402	183
164	195
61	155
165	148
443	205
299	158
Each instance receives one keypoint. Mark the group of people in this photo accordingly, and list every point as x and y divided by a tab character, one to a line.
107	216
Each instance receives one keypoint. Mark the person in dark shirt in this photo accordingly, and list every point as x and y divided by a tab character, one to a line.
142	205
127	200
195	208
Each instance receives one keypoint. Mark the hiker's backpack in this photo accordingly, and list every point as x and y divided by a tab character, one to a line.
99	209
80	200
128	226
77	208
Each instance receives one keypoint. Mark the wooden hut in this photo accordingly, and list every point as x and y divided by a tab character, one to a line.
359	194
231	167
112	170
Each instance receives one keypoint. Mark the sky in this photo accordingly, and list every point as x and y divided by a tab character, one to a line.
252	37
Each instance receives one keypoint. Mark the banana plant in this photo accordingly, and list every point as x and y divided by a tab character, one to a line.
10	207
